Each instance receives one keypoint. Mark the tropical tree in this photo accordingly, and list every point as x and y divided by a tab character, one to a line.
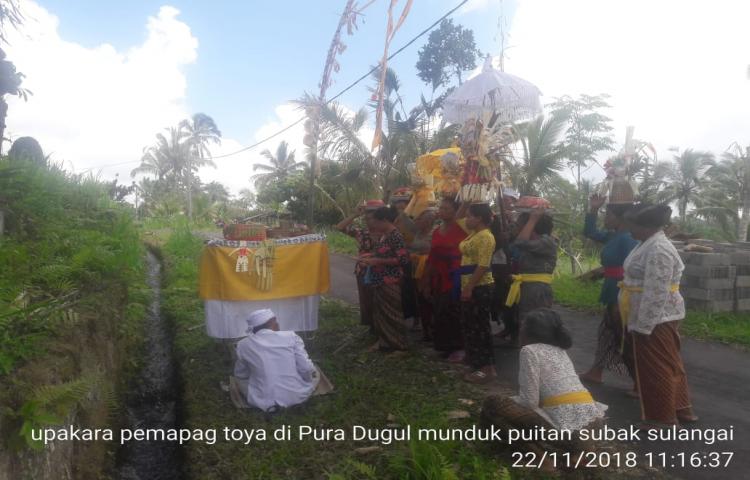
166	160
216	192
245	199
684	179
27	149
588	131
10	84
729	187
450	50
10	18
200	131
407	134
282	165
541	154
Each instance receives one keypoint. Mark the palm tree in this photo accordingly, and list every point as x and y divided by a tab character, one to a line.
245	199
405	137
730	179
684	179
282	165
200	131
217	193
541	156
166	159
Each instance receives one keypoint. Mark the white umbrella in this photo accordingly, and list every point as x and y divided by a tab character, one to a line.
493	91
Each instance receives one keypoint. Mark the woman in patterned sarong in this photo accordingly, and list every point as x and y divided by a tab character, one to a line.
651	304
386	265
618	243
365	244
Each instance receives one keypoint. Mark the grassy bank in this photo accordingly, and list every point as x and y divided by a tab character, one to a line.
72	298
372	390
341	243
731	328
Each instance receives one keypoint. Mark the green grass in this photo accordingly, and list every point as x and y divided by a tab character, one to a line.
576	294
371	390
731	328
341	243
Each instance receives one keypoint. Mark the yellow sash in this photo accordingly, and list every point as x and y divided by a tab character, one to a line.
624	305
514	294
419	262
568	398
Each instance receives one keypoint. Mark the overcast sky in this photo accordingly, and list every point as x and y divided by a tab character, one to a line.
107	76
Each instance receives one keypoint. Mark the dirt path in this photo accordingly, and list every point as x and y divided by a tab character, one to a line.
719	377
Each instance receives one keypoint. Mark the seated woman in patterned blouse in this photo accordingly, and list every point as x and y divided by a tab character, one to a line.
550	393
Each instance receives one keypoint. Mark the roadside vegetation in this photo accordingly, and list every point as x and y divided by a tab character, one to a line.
72	299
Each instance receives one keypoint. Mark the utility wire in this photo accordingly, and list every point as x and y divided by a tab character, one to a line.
338	95
352	85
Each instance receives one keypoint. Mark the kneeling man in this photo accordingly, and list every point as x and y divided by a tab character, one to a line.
274	364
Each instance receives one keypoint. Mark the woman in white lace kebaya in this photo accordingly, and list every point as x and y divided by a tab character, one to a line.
550	392
652	307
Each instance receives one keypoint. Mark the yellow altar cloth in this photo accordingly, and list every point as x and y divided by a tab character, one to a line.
299	269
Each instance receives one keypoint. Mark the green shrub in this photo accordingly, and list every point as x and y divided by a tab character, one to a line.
64	239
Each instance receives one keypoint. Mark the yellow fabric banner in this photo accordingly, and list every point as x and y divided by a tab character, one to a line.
298	270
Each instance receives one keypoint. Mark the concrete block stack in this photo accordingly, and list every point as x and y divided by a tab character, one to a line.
716	281
708	282
741	260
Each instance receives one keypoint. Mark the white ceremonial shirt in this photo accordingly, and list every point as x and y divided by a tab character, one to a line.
654	266
546	371
277	367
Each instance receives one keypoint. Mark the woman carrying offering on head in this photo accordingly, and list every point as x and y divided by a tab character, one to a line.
436	283
652	308
618	243
387	261
476	293
537	257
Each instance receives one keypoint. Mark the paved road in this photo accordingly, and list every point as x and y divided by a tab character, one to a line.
719	378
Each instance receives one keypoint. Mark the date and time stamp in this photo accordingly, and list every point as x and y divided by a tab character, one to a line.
697	460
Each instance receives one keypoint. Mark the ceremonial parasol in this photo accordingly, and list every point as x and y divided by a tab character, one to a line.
493	92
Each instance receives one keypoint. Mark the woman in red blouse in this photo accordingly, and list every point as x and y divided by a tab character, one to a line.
444	258
385	274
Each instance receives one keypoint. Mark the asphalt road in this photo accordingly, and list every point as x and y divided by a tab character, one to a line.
718	375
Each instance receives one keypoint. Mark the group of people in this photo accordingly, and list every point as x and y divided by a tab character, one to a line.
455	268
642	309
451	271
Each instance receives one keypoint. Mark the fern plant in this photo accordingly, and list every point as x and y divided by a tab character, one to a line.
51	404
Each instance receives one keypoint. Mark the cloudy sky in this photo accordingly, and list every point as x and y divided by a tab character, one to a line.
107	76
